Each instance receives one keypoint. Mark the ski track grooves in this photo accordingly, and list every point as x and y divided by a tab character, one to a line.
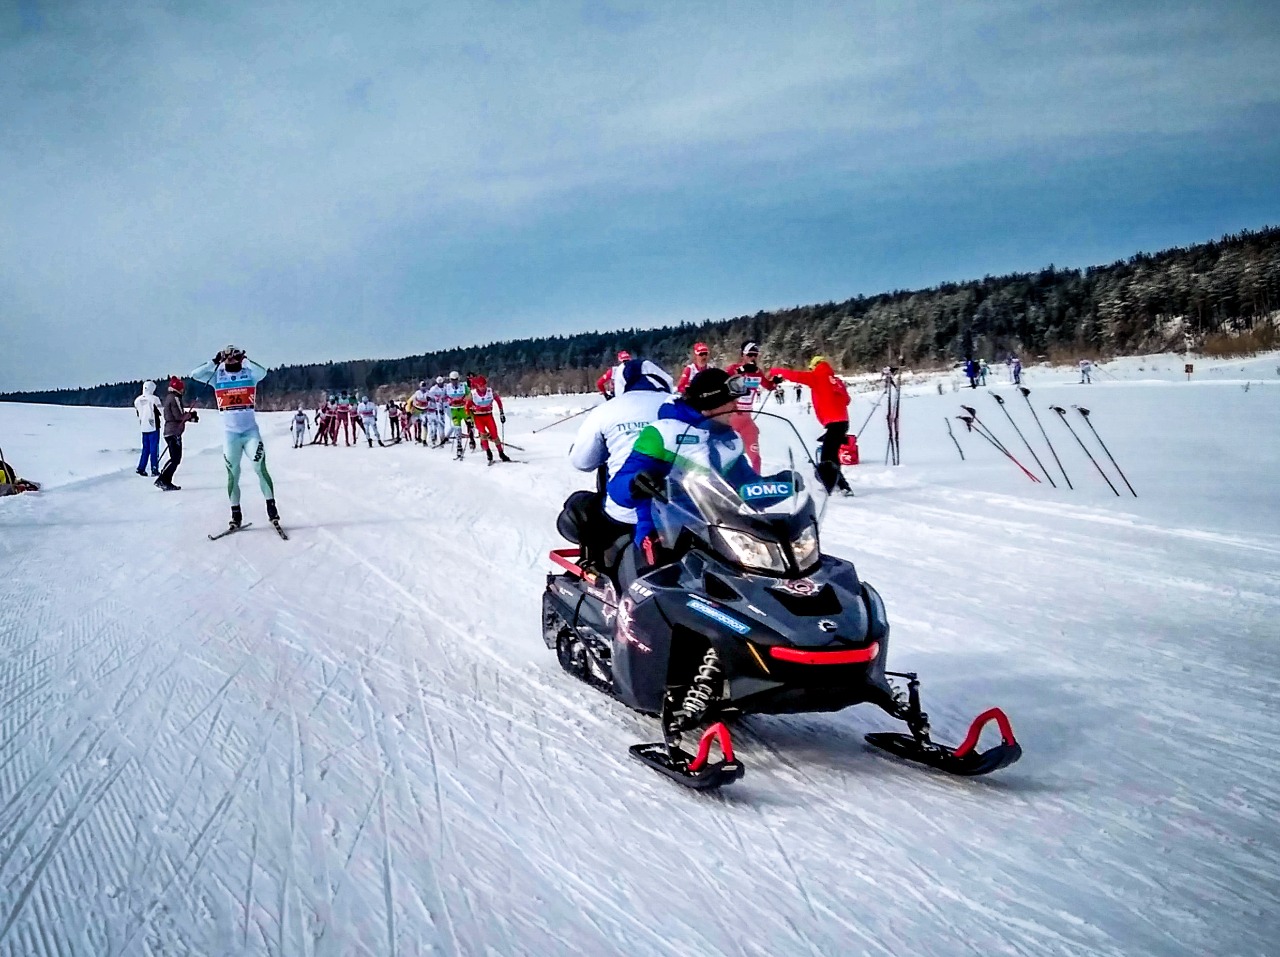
354	742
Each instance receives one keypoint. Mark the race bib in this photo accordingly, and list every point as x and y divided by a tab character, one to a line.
237	398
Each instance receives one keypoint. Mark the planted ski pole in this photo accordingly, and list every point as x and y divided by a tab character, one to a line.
976	426
858	434
1062	414
986	431
1026	394
565	419
953	437
1000	400
1085	413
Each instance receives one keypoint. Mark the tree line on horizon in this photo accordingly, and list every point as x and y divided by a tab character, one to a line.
1147	303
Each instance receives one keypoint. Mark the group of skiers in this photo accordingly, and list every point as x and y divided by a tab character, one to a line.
638	433
977	370
435	416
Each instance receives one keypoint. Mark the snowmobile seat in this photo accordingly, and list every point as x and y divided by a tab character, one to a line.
603	541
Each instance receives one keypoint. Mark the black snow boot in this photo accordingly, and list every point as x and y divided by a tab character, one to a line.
272	515
237	518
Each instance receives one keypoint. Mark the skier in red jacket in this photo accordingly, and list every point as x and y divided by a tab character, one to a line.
480	405
743	419
701	361
604	384
831	406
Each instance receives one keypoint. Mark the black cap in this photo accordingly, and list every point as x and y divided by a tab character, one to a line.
709	389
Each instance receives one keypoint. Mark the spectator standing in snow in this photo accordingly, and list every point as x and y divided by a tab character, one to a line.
148	408
983	369
300	425
1015	370
1086	372
831	405
971	371
175	423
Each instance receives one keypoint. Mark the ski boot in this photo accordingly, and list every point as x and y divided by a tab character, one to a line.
164	486
502	454
273	516
237	518
489	454
143	473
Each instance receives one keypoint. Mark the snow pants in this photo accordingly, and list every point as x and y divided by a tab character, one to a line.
235	445
436	426
487	427
150	452
371	430
745	425
298	435
456	419
174	444
829	456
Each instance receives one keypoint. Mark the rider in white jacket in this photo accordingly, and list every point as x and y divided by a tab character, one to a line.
605	439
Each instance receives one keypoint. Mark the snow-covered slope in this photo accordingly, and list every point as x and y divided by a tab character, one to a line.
355	741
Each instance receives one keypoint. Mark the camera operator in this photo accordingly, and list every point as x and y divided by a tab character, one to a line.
175	421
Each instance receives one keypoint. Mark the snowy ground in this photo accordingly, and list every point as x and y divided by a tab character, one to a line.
355	741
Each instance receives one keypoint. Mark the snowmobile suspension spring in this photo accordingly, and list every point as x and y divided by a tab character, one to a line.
702	690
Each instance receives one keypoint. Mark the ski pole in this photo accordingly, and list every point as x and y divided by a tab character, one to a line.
565	419
858	434
1000	400
975	426
1062	414
982	425
1026	394
953	437
1089	422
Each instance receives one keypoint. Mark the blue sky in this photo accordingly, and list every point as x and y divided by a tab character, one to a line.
313	181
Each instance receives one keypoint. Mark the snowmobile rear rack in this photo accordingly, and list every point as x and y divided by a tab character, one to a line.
564	557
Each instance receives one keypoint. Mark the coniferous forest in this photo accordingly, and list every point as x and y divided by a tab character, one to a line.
1150	302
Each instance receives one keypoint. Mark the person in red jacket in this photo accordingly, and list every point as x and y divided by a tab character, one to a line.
831	405
701	361
604	384
743	418
480	404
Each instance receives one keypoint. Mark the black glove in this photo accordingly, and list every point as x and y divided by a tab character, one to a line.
646	485
502	417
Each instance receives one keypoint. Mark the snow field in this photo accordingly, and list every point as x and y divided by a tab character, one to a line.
355	742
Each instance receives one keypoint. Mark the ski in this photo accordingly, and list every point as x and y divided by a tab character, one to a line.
279	531
226	532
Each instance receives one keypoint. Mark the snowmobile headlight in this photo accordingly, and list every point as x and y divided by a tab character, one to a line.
805	548
751	552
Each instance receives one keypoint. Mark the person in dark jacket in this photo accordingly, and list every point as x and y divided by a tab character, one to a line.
971	370
175	422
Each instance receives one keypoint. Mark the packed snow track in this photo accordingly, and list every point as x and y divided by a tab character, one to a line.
355	742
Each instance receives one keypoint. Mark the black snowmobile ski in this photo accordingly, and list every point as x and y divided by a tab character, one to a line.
964	760
694	770
228	531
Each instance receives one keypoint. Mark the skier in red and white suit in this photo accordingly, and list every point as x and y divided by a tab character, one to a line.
480	405
701	361
742	419
605	384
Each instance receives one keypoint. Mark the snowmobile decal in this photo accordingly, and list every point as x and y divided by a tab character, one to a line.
760	490
641	591
715	614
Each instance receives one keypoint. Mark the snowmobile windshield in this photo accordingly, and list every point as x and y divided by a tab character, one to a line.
747	488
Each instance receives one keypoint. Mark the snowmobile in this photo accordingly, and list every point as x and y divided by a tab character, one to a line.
748	617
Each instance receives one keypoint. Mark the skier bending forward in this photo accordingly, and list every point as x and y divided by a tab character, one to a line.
235	381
